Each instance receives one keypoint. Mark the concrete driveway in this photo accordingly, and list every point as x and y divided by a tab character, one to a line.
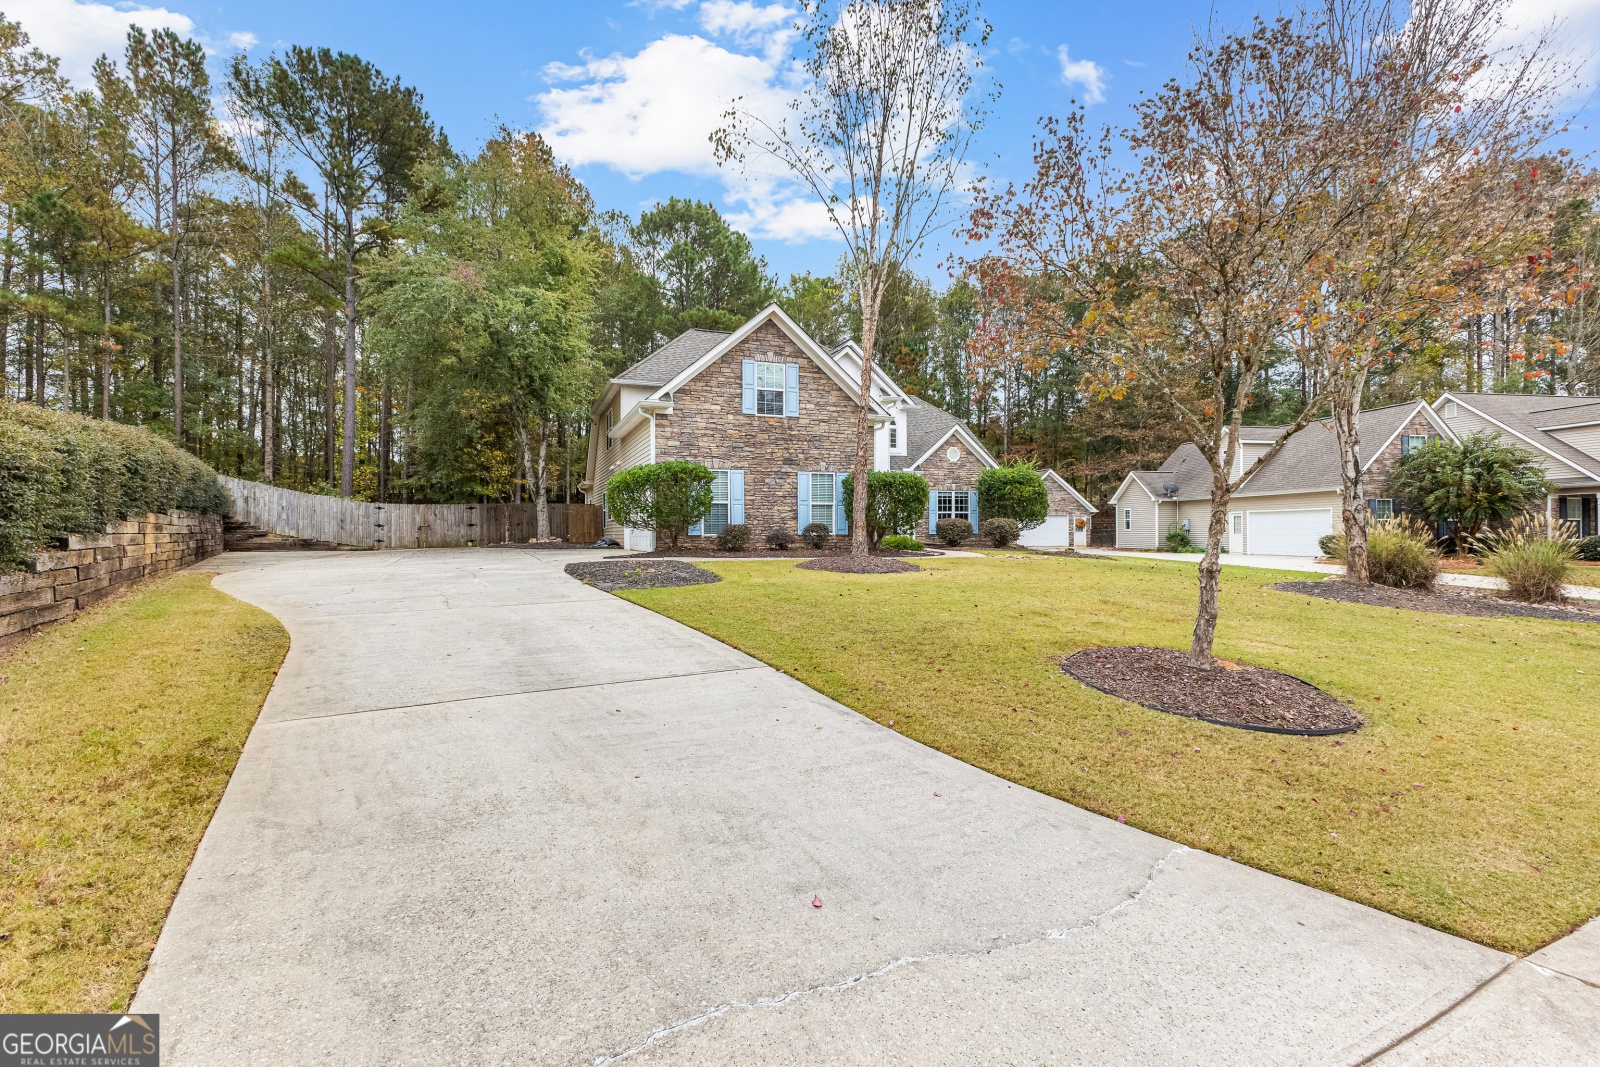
491	816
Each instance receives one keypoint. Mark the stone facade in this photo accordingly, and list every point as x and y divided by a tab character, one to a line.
60	583
1375	482
944	474
708	426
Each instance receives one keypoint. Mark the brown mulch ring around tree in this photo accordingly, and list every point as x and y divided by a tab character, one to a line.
858	565
797	550
1227	694
612	575
1456	601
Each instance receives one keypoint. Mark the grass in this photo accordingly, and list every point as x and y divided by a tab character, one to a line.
118	731
1467	803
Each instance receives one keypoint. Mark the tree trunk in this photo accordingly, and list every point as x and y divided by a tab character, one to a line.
1205	619
269	406
1352	500
177	351
871	299
519	427
5	311
105	349
331	396
541	506
384	442
347	474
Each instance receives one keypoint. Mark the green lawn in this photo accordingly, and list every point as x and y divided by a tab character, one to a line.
118	731
1469	802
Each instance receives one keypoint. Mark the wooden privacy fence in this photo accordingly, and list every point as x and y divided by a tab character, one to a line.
363	525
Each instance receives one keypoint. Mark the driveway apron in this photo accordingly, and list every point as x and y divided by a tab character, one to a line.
492	816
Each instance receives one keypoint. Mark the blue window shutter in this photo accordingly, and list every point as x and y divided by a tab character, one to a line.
749	387
736	497
841	521
933	511
791	389
972	509
805	501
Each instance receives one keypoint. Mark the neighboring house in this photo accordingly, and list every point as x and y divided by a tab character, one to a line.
773	414
1287	505
1562	432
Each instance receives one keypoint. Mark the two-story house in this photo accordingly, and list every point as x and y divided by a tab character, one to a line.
773	414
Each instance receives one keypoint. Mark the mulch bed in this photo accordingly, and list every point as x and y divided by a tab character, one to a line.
1227	694
612	575
761	552
858	565
1455	602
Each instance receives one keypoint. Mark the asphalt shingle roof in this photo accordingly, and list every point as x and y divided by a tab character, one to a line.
672	358
1309	460
925	426
1525	413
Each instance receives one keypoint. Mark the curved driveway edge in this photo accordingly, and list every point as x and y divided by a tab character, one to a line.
490	815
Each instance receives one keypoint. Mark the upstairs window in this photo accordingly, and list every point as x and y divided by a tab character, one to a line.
894	435
769	388
1410	442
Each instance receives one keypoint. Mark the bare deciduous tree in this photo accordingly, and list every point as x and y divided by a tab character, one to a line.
879	135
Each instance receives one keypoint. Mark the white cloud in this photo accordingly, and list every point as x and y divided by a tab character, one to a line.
1577	26
748	23
653	111
80	31
1084	73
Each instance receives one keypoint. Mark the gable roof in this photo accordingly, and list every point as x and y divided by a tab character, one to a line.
672	358
1186	468
1309	460
1526	416
926	428
1063	483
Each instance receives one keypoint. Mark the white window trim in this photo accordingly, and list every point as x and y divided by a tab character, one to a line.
956	496
1127	518
779	389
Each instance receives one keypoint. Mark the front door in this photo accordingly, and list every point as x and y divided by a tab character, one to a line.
1236	532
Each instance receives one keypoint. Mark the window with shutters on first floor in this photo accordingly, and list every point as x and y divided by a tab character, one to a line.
1381	508
822	500
954	506
717	520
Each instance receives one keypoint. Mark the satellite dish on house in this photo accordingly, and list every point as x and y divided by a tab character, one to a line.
1170	488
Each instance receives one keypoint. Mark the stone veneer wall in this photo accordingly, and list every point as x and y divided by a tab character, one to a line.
1375	482
945	476
708	426
60	583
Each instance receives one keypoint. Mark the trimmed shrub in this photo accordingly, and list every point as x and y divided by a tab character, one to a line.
1402	553
63	474
734	537
1588	549
901	543
1177	539
895	501
1533	557
1014	491
816	534
780	539
669	497
1000	532
953	531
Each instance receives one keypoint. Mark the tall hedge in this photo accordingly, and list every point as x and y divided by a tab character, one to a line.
64	474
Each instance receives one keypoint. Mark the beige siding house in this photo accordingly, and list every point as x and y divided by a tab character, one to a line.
1290	502
1562	433
773	414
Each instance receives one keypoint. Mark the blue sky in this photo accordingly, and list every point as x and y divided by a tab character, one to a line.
627	91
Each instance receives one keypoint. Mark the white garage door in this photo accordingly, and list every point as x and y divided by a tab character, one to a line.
1287	533
1055	533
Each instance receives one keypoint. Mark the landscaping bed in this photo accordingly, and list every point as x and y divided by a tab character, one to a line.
1226	694
859	565
1456	601
797	552
612	575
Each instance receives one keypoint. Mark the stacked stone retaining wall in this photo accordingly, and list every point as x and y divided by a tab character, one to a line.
61	582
